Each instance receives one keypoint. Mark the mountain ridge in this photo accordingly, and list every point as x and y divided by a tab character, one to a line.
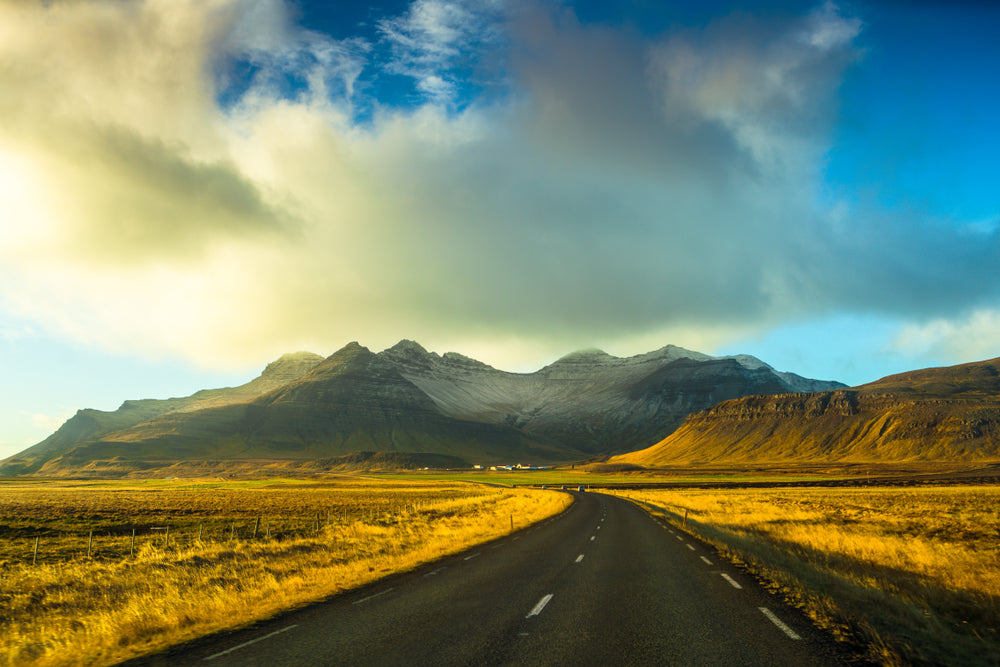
945	413
407	400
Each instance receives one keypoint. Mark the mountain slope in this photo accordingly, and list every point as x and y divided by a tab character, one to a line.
948	413
89	424
353	401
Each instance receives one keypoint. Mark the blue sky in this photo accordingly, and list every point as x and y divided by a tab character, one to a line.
193	188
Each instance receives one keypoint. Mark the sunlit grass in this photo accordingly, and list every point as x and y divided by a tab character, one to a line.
324	539
912	572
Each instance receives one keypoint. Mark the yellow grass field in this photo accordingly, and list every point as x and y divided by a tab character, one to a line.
313	540
912	573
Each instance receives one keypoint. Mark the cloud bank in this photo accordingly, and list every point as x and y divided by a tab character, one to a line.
195	179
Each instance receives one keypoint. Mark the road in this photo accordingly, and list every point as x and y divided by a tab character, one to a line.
604	583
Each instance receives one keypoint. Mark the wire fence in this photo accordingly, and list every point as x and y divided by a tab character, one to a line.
103	541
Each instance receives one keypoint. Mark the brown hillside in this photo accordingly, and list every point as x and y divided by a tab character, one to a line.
936	414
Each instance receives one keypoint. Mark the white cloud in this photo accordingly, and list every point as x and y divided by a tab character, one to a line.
828	29
971	338
434	36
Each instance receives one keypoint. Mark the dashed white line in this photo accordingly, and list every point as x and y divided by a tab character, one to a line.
778	622
593	537
252	641
680	537
730	580
431	574
578	558
707	562
690	546
473	556
540	606
372	596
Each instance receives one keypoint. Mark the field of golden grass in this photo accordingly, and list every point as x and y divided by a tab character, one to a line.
911	573
314	539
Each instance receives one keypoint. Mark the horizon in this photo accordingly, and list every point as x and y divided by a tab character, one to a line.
193	189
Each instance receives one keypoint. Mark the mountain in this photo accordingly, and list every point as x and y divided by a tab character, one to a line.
950	413
88	424
590	400
406	400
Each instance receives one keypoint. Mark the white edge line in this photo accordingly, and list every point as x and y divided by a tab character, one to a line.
731	581
252	641
540	606
372	596
778	622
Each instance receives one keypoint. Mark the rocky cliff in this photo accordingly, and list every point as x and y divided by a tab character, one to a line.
937	414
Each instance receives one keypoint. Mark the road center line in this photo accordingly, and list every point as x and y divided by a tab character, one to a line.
252	641
473	556
372	596
540	606
730	580
680	537
578	558
707	562
431	574
690	546
778	622
593	537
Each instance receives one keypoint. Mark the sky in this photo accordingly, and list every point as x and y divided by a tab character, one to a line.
191	188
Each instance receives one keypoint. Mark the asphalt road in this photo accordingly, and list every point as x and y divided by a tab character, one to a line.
603	583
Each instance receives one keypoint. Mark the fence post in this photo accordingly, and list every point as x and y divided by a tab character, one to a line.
166	537
131	551
34	557
256	525
685	518
232	531
90	542
200	526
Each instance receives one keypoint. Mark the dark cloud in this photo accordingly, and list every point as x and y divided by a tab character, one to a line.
623	186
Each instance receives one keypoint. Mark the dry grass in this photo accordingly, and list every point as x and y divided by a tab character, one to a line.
913	573
324	539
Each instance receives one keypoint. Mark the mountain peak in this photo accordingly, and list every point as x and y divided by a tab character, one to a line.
409	348
282	370
585	355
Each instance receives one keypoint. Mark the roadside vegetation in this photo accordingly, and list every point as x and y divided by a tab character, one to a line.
911	573
213	555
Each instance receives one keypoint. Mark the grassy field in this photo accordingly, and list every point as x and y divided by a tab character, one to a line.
208	571
912	573
573	478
